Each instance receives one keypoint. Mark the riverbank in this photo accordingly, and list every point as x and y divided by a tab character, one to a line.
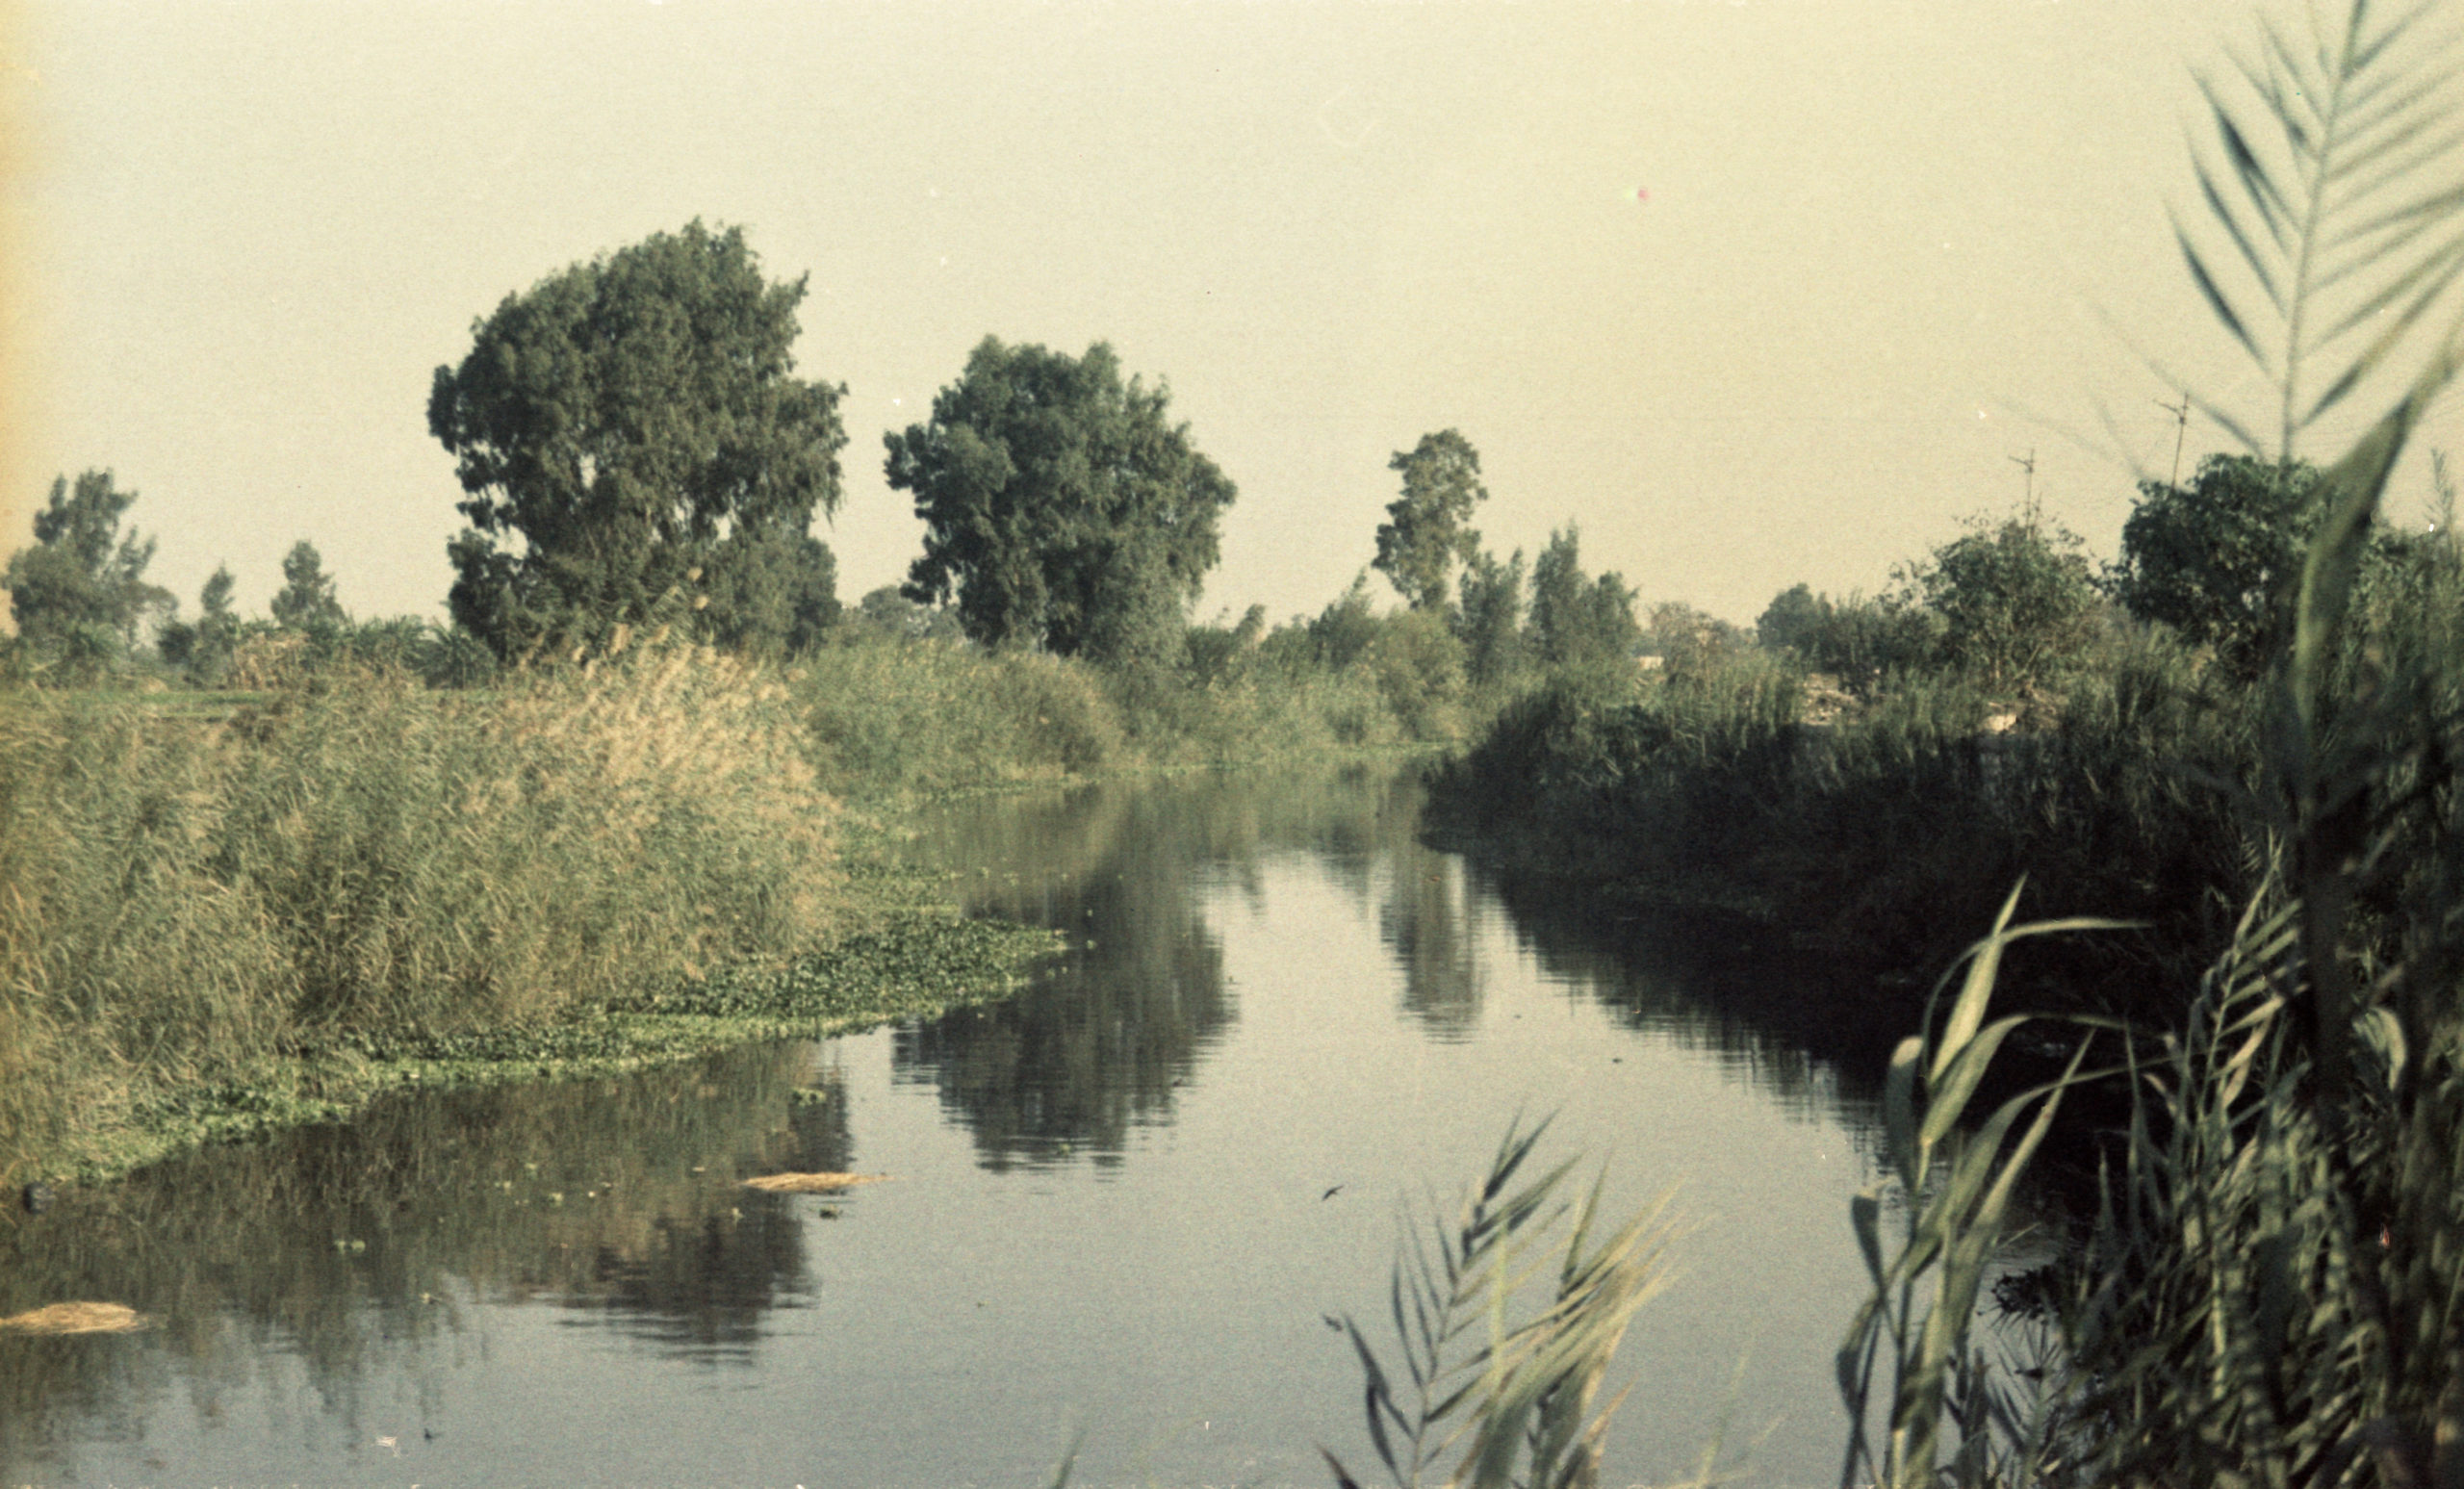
227	914
1887	837
218	927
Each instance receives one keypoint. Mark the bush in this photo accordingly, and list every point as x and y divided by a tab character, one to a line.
1861	641
2017	599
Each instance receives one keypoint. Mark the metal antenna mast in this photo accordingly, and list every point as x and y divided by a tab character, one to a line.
2181	413
2028	465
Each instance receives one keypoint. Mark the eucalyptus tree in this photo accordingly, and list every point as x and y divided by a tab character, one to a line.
79	595
306	601
624	429
1062	506
1576	619
1428	529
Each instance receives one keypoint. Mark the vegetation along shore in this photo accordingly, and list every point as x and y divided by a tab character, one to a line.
632	801
2197	808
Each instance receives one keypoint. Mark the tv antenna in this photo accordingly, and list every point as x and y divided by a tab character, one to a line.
2181	413
2028	465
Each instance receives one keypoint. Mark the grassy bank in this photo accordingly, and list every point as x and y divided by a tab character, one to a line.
925	717
226	912
216	926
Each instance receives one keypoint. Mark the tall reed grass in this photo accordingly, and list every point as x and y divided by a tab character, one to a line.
2272	1291
180	900
929	716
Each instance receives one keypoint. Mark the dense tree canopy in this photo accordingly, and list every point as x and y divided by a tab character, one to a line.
1428	529
1859	641
629	428
1060	505
776	593
204	648
2209	558
1490	617
2017	599
79	594
1792	620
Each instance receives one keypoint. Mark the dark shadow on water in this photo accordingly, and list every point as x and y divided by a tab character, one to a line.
352	1247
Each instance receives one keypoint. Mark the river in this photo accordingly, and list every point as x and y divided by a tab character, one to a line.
1124	1205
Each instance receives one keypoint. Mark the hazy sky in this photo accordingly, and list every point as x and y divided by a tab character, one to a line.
1758	291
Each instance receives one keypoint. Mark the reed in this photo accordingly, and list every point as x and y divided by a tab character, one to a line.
185	901
2272	1291
1517	1394
921	717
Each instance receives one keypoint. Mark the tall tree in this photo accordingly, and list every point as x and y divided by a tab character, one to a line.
1793	620
623	425
306	599
2018	599
1428	529
1060	505
80	592
1491	617
1577	620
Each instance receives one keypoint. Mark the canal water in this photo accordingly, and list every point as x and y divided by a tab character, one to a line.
1124	1205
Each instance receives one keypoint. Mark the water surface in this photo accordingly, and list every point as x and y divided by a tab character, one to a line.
1125	1202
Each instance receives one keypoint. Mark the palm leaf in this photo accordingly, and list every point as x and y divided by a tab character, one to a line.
2332	241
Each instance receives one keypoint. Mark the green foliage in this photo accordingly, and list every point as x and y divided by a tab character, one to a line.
1217	656
1519	1395
1428	529
1490	619
885	612
775	595
1341	634
893	716
306	600
267	658
2332	189
1061	506
79	595
1861	641
1953	1181
1792	620
1418	663
1578	621
1686	639
203	649
2213	559
185	899
1873	837
2271	1293
626	428
2017	599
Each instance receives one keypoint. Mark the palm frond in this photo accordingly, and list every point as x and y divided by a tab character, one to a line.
1521	1392
2333	246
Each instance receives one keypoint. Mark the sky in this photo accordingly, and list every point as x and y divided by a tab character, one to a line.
1757	291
